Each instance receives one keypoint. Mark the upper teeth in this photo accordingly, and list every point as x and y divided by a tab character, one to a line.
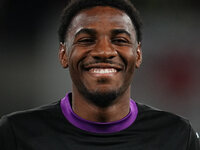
100	70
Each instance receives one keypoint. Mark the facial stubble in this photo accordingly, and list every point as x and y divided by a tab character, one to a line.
101	98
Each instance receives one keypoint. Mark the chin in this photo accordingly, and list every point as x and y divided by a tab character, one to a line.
101	97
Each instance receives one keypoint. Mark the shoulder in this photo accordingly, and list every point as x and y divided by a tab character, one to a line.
21	126
169	130
163	124
149	112
155	119
30	115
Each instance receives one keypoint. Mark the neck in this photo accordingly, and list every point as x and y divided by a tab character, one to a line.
88	111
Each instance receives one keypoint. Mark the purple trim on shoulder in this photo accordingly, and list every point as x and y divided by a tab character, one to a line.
98	127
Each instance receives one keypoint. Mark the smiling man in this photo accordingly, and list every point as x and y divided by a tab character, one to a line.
100	43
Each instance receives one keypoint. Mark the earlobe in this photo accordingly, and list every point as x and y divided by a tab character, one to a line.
63	55
139	56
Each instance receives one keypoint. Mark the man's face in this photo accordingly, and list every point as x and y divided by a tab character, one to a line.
102	52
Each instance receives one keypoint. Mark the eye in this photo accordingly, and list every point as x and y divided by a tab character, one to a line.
120	41
86	41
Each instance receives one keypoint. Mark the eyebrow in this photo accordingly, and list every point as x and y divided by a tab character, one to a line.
91	32
115	32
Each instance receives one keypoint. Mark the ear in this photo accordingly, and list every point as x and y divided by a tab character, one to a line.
139	56
63	55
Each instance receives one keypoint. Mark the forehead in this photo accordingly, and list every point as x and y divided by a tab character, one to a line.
104	17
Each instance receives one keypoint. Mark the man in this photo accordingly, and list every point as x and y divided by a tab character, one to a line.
101	46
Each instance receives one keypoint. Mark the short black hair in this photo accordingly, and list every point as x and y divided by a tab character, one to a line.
75	6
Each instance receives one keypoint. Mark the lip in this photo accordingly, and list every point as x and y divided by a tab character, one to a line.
103	69
103	66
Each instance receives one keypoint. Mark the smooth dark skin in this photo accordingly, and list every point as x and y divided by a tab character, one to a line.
101	33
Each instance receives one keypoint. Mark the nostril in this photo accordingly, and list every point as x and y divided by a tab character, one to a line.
106	53
96	57
111	57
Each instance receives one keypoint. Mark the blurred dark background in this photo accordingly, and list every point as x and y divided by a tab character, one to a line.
169	78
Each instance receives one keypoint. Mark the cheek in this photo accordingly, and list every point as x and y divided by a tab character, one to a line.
131	64
129	57
131	61
75	56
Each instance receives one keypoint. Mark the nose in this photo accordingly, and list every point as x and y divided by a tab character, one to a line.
103	49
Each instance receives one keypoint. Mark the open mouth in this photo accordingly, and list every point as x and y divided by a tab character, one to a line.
100	69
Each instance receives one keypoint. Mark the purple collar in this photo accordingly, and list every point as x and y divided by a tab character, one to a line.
98	127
